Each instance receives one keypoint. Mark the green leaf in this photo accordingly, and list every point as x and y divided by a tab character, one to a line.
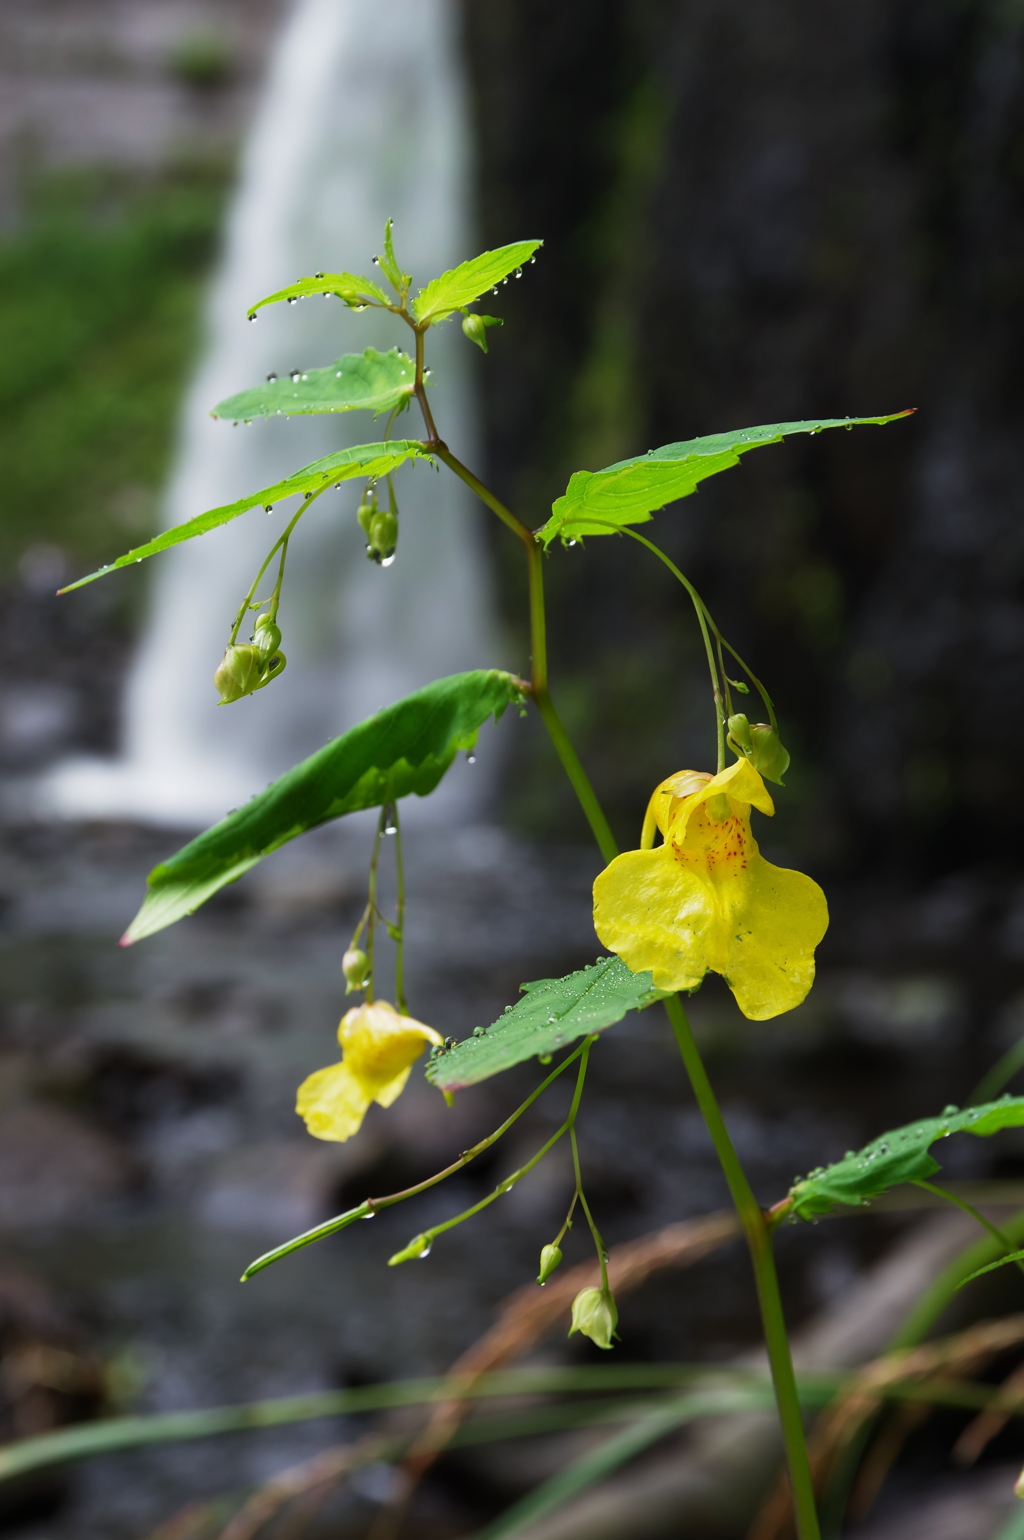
404	748
469	280
355	290
601	502
554	1013
389	262
360	460
370	381
899	1156
1011	1256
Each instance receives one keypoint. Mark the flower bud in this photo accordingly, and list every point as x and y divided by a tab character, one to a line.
267	635
383	534
271	666
366	510
767	754
550	1256
238	673
419	1246
475	328
355	965
594	1314
739	733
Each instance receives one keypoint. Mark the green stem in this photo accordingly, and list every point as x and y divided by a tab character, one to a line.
758	1237
282	541
539	655
400	1000
371	904
1001	1073
371	1206
702	621
968	1208
508	1182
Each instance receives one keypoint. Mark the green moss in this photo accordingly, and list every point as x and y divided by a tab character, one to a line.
99	306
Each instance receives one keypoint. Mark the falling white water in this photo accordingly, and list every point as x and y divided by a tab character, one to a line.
363	118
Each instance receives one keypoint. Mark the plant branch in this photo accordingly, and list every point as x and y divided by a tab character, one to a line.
758	1236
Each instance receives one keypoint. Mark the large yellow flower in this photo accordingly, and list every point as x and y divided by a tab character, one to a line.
379	1049
707	898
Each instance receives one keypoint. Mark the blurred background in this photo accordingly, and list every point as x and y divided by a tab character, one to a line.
752	212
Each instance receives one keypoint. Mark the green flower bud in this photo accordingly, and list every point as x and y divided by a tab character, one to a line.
238	673
550	1256
767	753
419	1246
267	635
383	534
355	965
739	733
594	1314
271	666
366	510
475	328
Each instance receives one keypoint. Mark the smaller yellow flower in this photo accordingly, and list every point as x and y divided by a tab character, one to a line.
379	1049
707	898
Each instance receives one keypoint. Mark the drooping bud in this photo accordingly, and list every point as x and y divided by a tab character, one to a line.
475	328
768	755
419	1246
383	535
238	673
550	1256
739	733
366	510
267	635
355	965
594	1315
272	666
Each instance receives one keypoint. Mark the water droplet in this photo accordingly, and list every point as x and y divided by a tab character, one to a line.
305	376
268	507
253	318
532	261
376	261
495	289
293	374
371	1215
947	1112
391	828
572	542
293	300
271	378
519	272
318	275
386	561
428	1248
470	759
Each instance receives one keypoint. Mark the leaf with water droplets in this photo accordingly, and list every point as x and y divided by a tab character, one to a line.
465	283
899	1156
602	502
368	381
360	460
403	749
355	290
555	1012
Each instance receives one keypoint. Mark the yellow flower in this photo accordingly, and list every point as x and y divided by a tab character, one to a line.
707	898
379	1048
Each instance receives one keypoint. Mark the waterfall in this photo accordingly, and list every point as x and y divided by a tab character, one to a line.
363	118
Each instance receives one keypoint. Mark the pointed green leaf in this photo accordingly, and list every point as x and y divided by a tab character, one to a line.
555	1012
1011	1256
389	262
899	1156
369	381
601	502
355	290
404	748
469	280
360	460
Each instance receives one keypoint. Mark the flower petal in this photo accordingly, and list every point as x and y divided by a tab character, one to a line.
393	1090
654	914
332	1102
770	953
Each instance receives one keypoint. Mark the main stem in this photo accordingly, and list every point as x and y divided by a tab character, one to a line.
539	655
755	1224
758	1236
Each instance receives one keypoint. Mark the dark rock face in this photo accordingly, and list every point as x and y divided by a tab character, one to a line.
753	217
